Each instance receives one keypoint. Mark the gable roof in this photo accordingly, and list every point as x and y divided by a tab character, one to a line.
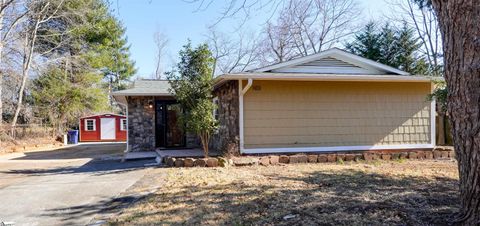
144	88
332	61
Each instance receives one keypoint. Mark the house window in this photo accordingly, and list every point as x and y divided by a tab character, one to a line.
90	125
123	124
216	114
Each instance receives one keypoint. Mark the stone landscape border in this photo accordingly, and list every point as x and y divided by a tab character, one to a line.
437	153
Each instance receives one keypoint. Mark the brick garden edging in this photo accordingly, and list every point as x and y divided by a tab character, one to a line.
437	153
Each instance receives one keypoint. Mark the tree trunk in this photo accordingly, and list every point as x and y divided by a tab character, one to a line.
441	128
27	60
461	44
204	138
2	14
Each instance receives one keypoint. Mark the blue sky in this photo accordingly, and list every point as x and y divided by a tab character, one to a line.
181	21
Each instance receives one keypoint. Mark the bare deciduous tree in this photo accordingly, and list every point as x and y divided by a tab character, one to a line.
307	27
161	42
424	20
242	8
278	43
319	24
42	13
9	19
302	27
233	55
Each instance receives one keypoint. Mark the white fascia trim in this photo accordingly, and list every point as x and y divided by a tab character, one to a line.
241	91
324	77
240	117
142	94
334	148
89	116
433	131
128	131
126	118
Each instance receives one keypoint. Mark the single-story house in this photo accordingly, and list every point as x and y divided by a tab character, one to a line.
326	102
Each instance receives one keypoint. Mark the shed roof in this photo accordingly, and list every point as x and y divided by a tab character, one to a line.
104	114
144	88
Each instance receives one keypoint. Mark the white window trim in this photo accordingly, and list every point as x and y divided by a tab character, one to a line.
94	124
121	124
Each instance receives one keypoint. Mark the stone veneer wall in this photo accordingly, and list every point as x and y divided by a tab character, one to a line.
192	140
141	124
226	139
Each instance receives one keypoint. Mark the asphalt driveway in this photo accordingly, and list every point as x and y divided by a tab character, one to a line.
69	186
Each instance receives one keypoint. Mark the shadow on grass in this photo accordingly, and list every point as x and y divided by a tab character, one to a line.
106	206
347	197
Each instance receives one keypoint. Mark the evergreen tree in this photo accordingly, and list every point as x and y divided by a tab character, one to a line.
87	29
389	49
366	42
192	85
408	46
90	53
61	97
398	48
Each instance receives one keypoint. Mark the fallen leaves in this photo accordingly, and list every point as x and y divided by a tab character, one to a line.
410	192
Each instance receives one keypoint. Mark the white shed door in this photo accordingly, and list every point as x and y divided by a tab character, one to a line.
107	129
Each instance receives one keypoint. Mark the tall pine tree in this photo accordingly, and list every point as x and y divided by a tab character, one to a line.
86	28
394	47
91	54
366	42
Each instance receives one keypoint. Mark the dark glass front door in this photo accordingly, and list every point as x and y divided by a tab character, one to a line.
169	133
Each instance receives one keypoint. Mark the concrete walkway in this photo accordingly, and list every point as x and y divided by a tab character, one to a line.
65	187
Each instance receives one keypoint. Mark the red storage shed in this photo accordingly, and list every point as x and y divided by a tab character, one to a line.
104	127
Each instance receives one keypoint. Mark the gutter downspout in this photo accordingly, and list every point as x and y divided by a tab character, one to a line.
126	110
241	92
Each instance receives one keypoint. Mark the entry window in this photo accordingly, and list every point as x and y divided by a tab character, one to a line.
123	124
90	125
216	114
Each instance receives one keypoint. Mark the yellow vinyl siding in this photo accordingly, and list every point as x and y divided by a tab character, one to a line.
316	114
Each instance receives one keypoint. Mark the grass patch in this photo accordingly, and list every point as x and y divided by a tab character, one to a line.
411	193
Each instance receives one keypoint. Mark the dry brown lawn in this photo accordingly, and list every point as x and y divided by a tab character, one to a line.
380	193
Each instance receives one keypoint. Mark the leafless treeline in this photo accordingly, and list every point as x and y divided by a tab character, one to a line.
298	28
302	27
20	56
